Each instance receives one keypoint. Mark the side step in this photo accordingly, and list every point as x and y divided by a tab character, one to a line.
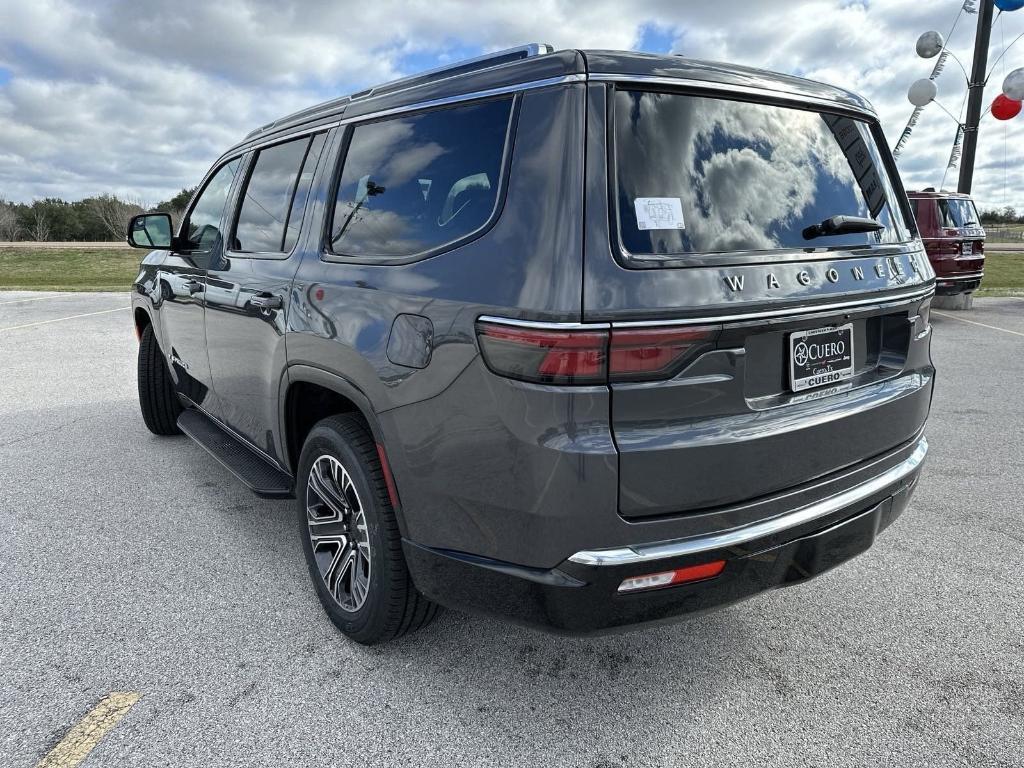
242	461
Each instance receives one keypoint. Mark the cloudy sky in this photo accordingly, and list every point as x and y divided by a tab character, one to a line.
138	97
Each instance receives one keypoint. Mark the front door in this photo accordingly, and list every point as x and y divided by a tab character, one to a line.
182	282
247	288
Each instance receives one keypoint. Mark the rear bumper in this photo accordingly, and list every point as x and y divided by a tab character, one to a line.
951	285
581	595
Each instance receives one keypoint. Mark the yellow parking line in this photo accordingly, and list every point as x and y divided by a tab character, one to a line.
60	319
76	746
972	322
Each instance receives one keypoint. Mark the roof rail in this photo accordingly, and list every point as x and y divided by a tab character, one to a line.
494	59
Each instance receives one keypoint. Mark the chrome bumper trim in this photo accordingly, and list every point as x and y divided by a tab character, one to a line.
641	553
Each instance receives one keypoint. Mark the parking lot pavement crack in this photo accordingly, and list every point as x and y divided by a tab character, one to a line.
49	431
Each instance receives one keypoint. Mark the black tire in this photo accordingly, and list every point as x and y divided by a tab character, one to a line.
159	403
392	606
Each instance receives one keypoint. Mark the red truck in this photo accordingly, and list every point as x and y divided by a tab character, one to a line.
953	238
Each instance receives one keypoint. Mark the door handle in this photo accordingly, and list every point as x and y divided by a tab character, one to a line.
266	301
193	287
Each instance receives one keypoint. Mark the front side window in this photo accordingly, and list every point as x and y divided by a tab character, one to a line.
263	217
700	174
202	229
412	184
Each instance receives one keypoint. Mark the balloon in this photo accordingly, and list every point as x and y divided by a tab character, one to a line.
1004	108
922	92
929	44
1013	85
1009	5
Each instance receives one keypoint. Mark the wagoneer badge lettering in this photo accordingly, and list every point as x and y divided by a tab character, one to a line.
772	281
832	275
858	273
803	277
880	269
735	282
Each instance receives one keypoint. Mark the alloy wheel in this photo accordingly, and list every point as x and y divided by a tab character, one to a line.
337	531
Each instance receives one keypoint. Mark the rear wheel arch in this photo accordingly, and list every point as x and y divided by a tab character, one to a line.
142	319
309	395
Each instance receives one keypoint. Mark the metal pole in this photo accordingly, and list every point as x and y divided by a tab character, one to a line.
975	94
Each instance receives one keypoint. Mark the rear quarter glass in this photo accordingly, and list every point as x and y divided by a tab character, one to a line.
698	174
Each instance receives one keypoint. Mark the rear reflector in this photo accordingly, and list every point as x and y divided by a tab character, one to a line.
663	579
572	356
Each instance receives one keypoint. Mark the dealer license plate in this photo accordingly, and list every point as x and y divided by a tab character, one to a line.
820	357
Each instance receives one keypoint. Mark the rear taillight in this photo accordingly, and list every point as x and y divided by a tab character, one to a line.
583	356
655	353
545	356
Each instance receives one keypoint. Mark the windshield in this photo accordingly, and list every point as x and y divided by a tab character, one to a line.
703	175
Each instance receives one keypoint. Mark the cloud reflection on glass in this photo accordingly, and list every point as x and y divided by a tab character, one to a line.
749	176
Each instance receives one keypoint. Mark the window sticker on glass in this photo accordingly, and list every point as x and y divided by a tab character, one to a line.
659	213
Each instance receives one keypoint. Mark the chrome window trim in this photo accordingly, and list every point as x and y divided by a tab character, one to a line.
746	90
418	106
643	553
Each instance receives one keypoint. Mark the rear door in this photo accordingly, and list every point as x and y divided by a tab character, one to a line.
182	281
248	288
796	354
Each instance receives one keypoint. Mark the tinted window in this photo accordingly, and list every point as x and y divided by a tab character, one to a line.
263	215
957	212
291	232
698	174
415	183
203	230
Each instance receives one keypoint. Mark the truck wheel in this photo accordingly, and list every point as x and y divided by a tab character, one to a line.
351	538
160	404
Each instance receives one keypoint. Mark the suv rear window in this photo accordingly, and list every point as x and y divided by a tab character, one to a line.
956	212
413	184
697	174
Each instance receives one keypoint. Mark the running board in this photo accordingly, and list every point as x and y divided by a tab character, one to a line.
262	478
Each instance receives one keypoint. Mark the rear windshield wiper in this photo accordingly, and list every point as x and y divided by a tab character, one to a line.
841	225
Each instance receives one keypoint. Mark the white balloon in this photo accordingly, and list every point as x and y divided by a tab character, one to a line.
922	92
1013	85
929	44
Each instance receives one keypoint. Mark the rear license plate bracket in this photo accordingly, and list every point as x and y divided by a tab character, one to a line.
820	357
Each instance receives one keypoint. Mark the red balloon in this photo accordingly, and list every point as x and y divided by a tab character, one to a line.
1003	108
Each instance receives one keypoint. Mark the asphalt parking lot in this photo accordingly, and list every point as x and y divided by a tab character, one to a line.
136	564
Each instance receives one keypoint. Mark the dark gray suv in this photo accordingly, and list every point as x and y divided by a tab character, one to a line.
584	339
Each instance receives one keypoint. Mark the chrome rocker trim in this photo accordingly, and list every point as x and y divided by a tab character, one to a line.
641	553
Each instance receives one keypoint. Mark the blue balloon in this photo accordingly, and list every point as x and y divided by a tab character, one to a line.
1009	5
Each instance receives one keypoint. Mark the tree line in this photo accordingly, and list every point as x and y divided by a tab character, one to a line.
1007	215
100	218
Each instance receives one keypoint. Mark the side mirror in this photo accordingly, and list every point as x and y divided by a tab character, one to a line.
151	231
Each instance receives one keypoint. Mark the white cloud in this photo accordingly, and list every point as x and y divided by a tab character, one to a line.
138	97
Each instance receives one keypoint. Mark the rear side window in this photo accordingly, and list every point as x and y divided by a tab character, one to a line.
413	184
270	213
698	174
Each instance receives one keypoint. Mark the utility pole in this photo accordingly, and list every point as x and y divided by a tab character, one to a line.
975	94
